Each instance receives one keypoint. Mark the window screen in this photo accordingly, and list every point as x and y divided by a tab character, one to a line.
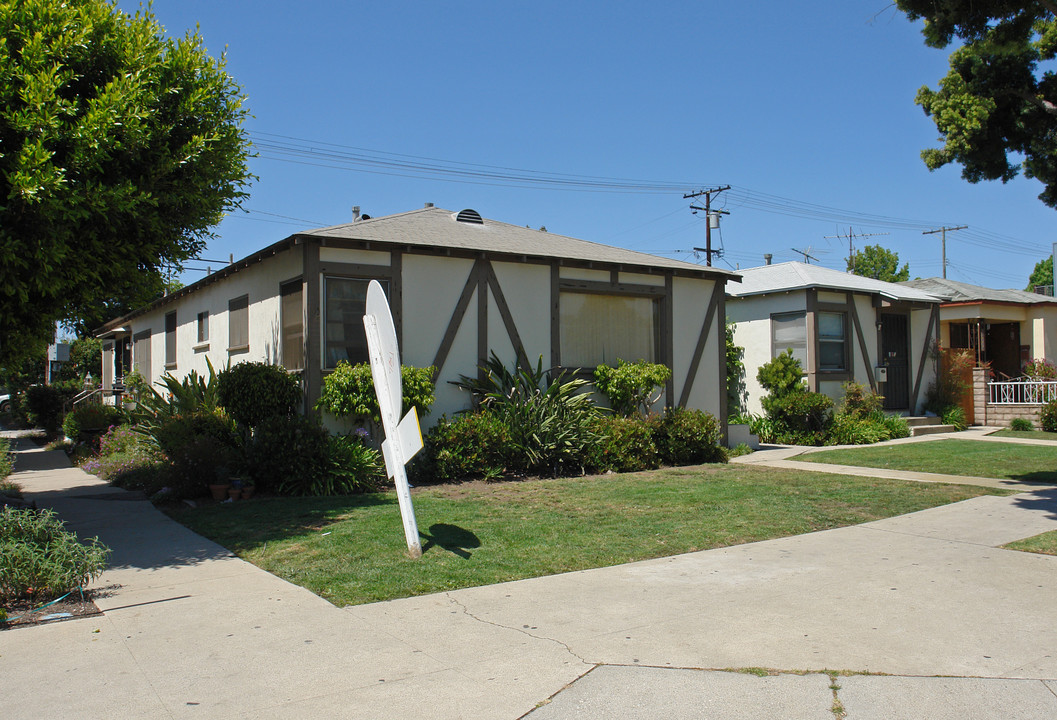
293	320
831	341
239	323
345	300
790	331
599	329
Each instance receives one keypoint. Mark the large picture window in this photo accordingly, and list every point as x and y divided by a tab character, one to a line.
789	331
293	321
831	341
344	302
599	329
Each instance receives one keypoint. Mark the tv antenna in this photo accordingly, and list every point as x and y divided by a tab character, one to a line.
850	237
808	257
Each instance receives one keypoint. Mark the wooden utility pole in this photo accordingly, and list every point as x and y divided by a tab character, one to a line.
709	212
944	242
851	247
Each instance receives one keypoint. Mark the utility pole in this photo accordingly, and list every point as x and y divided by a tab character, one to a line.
709	213
851	247
944	230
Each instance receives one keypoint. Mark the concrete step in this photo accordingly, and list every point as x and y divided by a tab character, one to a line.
922	420
918	430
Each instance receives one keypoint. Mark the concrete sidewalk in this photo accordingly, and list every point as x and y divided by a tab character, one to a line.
191	631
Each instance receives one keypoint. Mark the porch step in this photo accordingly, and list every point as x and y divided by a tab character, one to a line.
930	429
922	420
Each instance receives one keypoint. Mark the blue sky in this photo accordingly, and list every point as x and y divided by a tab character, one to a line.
806	109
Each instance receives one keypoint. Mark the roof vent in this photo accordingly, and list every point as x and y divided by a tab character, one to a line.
469	216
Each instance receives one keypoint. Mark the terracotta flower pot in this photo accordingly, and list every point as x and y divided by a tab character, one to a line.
219	491
234	493
247	492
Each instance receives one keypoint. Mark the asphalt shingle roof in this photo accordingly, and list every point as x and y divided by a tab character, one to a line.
436	227
953	291
783	277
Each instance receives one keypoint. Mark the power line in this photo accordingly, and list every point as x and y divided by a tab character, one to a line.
944	230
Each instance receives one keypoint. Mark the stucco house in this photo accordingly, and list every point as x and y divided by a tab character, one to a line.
1006	328
840	326
460	287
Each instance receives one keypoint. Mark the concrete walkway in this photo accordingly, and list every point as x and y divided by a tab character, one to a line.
959	627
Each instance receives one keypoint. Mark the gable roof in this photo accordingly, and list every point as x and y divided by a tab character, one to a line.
958	292
434	227
783	277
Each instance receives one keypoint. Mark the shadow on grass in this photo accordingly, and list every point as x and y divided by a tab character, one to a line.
1041	476
1039	500
452	538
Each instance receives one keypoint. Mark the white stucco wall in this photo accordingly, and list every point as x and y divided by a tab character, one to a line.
753	333
690	304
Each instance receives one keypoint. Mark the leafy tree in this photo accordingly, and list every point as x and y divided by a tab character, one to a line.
996	99
1041	275
119	150
736	391
874	261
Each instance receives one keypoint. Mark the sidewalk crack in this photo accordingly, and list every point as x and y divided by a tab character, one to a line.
523	631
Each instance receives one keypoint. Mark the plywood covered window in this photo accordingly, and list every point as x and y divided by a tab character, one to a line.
141	354
597	329
293	321
344	302
239	324
789	331
170	340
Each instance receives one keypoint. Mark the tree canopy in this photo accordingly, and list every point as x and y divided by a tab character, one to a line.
876	262
119	149
1041	275
1000	97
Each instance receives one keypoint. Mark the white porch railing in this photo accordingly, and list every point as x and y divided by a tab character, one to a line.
1022	392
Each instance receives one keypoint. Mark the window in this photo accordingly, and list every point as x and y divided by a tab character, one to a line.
170	340
141	354
345	300
789	331
239	324
599	329
831	341
293	322
203	327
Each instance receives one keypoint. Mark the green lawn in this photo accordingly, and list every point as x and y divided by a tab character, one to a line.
1007	461
1028	434
351	550
1046	543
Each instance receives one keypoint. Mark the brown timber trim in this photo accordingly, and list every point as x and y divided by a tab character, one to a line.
702	338
721	325
340	269
934	318
506	315
604	288
811	331
862	344
456	319
482	316
396	293
667	339
314	330
556	330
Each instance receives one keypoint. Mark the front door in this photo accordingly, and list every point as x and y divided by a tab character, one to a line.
895	355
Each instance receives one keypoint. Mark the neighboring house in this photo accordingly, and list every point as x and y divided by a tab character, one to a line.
1006	328
840	326
460	286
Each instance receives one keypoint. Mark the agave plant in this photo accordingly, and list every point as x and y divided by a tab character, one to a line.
549	417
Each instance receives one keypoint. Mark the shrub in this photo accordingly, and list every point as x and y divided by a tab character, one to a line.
625	444
7	462
87	422
255	392
851	430
127	459
202	448
860	401
348	392
550	422
780	377
472	445
689	437
954	415
631	387
739	450
288	454
1040	368
801	417
38	557
736	390
1021	425
1048	416
352	467
898	427
950	385
43	406
192	395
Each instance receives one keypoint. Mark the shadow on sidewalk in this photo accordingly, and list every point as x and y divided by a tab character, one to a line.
1039	500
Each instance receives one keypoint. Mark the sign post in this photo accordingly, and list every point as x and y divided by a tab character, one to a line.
403	438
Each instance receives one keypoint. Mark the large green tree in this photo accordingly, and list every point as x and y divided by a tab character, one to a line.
996	110
876	262
119	149
1041	275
